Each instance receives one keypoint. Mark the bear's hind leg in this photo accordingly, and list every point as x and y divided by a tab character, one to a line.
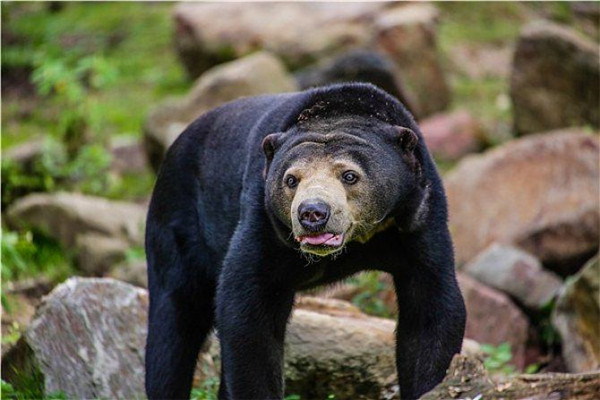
177	329
222	387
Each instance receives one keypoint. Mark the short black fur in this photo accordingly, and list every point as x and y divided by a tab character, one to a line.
217	255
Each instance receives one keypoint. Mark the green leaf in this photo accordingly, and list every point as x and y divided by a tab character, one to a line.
532	368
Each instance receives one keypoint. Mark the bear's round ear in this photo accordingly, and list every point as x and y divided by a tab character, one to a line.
269	144
407	138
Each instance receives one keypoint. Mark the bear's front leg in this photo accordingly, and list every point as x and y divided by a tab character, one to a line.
431	312
253	306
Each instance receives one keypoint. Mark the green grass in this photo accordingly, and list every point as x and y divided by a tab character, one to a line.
474	26
131	186
27	387
102	64
487	23
135	39
11	334
208	390
29	254
484	99
497	359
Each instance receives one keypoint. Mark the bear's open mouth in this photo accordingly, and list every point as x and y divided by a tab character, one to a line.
322	239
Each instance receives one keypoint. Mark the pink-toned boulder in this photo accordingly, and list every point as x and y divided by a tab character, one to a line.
539	193
409	35
492	318
449	136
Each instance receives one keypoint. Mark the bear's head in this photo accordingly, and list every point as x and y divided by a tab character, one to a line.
335	180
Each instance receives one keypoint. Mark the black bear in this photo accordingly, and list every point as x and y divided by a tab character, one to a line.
268	195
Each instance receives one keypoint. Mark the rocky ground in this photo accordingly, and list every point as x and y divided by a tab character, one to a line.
523	185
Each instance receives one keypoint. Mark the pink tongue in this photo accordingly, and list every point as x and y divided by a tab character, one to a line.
328	238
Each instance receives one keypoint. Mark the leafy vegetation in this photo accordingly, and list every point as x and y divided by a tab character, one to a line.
497	360
70	83
118	56
27	254
12	334
369	297
85	90
27	387
85	171
208	390
30	254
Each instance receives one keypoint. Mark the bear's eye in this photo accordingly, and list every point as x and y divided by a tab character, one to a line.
350	177
291	181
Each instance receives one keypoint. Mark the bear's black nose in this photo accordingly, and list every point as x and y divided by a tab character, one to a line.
313	215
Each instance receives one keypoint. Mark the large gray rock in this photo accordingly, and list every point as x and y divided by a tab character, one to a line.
87	340
207	34
492	318
468	379
539	193
555	79
515	273
335	350
259	73
66	216
577	319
